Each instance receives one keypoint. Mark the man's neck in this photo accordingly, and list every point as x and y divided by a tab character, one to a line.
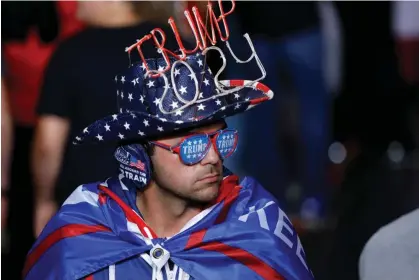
165	213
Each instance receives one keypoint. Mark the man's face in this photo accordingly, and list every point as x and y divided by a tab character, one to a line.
198	183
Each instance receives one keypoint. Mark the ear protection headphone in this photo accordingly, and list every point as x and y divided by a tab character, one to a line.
134	164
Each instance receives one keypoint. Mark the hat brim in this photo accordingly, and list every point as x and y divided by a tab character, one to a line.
104	130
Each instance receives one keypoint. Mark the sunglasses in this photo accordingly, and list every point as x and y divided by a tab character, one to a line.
194	147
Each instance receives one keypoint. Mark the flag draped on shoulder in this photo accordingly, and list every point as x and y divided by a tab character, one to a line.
99	234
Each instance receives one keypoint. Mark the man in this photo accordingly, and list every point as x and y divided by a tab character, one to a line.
68	100
173	212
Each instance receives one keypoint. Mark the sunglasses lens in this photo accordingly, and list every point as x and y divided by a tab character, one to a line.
227	143
194	149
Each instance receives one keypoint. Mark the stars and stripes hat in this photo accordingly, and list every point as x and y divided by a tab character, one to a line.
187	96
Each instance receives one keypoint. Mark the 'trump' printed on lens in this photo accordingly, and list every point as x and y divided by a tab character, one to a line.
226	143
194	149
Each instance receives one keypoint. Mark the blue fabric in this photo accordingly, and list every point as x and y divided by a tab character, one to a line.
271	240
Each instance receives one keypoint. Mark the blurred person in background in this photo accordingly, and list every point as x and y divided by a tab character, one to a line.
374	113
31	30
392	252
406	32
290	40
78	89
6	152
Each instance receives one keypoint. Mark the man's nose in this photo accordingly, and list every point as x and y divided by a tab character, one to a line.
212	157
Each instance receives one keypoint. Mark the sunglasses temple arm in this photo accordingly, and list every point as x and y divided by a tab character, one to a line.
166	147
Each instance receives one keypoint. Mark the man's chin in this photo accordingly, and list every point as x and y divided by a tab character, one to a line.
207	193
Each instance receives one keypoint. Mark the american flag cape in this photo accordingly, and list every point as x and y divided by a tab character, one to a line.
99	234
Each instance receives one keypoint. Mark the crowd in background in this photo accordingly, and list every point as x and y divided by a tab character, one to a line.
337	146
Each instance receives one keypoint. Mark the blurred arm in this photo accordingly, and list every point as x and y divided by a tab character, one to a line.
6	138
55	108
6	152
47	154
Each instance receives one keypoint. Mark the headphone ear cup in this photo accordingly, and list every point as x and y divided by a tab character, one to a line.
135	164
144	160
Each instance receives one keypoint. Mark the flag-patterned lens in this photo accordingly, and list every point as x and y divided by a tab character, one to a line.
194	149
226	143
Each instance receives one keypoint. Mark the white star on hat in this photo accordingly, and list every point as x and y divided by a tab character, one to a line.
100	137
156	101
183	89
130	97
150	84
201	107
120	135
206	82
126	125
174	105
123	79
145	122
107	127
